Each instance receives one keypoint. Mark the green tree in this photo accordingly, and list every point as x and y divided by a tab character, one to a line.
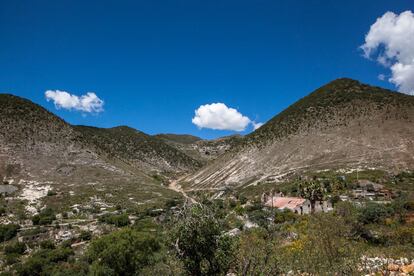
200	244
124	252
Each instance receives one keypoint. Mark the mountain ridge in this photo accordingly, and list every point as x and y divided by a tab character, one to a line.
343	123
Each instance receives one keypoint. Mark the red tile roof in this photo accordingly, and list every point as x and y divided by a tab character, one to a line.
286	202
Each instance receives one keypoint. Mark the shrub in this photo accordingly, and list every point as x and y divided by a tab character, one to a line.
47	244
117	220
44	261
2	210
124	252
15	248
85	235
284	216
323	249
374	213
46	216
8	231
51	193
199	242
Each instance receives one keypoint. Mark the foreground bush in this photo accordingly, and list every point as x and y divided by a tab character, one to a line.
124	252
200	244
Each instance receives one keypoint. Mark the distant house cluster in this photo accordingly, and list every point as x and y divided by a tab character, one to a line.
368	190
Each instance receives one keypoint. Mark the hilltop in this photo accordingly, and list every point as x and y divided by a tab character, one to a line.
344	124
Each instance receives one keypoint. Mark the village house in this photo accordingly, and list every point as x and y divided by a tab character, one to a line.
297	205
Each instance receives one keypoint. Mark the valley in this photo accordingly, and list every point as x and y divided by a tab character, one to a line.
344	154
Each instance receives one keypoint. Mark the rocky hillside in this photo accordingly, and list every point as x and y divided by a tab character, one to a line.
138	149
37	144
342	124
201	150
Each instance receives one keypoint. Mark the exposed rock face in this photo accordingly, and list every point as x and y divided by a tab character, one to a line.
342	124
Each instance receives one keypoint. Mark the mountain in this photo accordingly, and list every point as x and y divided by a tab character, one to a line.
138	149
39	152
201	150
28	130
344	124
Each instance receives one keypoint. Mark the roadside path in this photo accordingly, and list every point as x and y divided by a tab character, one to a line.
177	188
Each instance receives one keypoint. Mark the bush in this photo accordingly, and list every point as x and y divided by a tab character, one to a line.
257	254
48	244
46	216
199	242
15	248
374	213
117	220
51	193
85	235
12	258
323	249
2	211
284	216
8	231
124	252
44	261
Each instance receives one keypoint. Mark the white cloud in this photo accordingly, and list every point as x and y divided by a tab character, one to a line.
256	125
391	40
381	77
219	116
86	103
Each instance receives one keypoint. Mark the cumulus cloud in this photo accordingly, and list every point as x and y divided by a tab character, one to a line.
219	116
89	102
390	41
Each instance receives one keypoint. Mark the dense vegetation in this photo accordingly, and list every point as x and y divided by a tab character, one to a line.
196	240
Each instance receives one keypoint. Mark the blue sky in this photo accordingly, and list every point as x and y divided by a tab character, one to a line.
153	63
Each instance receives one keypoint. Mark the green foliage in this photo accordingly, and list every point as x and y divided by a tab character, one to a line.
258	254
44	261
47	244
2	211
117	220
374	213
199	242
51	193
8	231
85	235
322	249
46	216
15	248
124	252
284	216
